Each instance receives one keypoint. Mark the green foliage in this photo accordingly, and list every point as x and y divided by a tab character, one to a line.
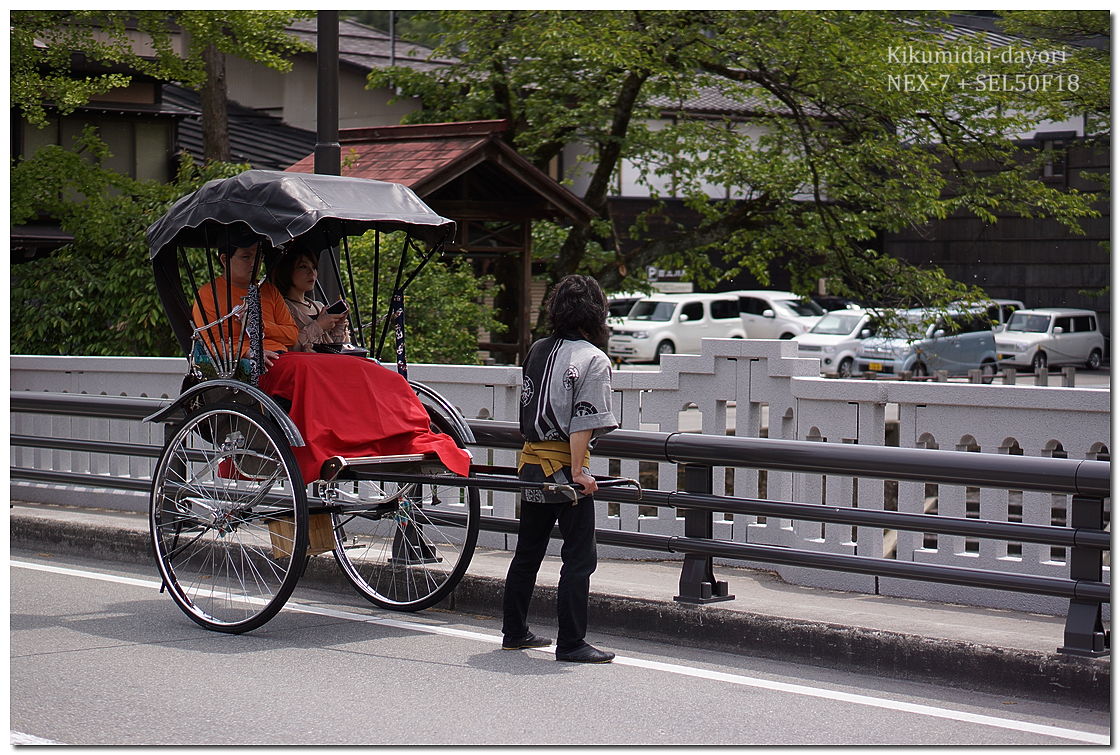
96	295
837	149
444	309
167	45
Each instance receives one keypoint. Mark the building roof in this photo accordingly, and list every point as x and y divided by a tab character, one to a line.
367	48
263	141
430	157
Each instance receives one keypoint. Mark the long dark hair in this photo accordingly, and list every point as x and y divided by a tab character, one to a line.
577	308
282	273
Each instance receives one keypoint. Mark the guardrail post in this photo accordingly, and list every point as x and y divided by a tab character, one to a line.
698	583
1009	375
1085	633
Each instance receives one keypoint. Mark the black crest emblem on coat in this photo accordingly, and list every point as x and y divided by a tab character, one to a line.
570	378
526	391
584	409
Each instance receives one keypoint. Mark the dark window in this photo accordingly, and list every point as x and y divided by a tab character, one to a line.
694	310
724	309
752	306
970	323
1084	324
1065	323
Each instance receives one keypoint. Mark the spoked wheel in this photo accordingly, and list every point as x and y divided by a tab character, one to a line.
405	546
228	518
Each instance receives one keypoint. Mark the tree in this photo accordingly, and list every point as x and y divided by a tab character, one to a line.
97	294
849	137
187	47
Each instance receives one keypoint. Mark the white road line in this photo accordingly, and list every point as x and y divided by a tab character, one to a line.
19	738
672	668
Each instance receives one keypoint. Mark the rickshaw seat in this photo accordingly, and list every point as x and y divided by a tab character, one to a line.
355	408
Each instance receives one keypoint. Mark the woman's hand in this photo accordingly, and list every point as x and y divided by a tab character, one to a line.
327	321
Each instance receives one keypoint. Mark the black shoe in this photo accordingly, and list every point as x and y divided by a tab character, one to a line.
529	640
585	654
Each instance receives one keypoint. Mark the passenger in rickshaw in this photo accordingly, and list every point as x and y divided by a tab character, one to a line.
295	276
227	291
343	405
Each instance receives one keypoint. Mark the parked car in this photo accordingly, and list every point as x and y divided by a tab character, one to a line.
619	304
1000	311
776	314
673	323
923	342
835	339
1038	338
831	303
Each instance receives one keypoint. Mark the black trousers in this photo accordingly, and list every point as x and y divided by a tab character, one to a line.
577	525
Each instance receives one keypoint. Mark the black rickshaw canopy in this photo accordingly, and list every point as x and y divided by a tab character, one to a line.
284	206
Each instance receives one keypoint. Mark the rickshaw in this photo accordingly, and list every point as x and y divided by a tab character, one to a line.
231	519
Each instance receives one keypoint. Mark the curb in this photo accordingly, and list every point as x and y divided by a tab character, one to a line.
984	668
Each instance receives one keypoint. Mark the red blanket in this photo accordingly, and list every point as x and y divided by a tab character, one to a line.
348	406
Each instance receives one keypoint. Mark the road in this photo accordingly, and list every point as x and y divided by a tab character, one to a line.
100	657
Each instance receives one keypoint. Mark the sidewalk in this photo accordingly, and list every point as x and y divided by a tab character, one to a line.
992	650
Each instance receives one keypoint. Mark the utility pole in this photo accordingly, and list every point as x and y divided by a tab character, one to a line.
328	152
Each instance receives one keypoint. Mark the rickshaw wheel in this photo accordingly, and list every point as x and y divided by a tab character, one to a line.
410	548
228	517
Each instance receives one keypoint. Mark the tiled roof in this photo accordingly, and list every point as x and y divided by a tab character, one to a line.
263	141
402	154
368	48
428	157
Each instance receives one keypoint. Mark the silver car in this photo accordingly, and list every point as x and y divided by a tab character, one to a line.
1037	338
925	342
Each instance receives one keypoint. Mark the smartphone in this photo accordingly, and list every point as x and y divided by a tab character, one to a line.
337	308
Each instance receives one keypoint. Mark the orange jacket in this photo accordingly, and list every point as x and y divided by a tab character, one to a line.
280	330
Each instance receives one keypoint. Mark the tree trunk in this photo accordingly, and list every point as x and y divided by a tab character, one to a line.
215	121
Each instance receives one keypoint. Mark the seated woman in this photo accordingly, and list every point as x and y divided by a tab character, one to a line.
294	276
219	297
343	405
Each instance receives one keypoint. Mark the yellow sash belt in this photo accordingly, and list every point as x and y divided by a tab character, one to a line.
551	455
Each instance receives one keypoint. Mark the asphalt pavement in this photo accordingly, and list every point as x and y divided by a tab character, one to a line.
999	651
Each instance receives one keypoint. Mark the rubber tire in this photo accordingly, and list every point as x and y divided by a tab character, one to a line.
1038	361
988	372
665	347
1095	359
244	537
370	575
844	369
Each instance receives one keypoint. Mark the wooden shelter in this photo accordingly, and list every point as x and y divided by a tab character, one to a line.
467	172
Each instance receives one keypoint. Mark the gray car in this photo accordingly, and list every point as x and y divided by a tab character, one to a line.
925	341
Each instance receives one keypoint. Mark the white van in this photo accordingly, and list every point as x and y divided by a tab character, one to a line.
673	323
835	339
1037	338
776	314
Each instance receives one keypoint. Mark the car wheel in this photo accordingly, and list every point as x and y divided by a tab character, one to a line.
786	336
1094	362
1038	361
920	370
987	372
844	369
665	347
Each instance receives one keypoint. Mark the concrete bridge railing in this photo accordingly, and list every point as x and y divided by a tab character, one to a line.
746	388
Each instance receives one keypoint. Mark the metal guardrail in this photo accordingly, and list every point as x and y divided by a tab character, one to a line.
1087	480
